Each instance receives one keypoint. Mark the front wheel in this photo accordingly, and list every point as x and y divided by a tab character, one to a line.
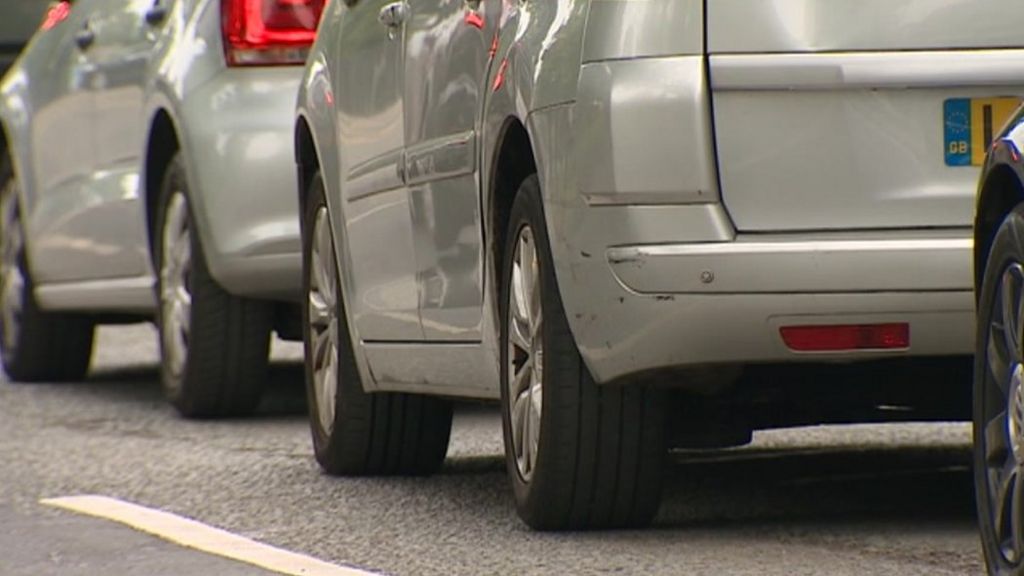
580	455
999	401
37	346
355	432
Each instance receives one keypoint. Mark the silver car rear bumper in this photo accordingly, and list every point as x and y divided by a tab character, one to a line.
677	305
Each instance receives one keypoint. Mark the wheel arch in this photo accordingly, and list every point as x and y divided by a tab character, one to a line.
1000	190
307	161
162	143
514	161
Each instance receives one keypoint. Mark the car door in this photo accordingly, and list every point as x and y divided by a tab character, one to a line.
125	32
368	78
62	156
858	114
447	60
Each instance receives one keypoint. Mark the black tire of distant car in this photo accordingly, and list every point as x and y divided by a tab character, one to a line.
48	346
601	449
382	433
999	401
229	337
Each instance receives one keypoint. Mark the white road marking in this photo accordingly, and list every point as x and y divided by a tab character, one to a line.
199	536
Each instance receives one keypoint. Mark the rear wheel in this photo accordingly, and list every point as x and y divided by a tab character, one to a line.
581	456
214	345
999	401
37	346
355	432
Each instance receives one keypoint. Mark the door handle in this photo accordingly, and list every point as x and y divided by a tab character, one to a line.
393	15
85	37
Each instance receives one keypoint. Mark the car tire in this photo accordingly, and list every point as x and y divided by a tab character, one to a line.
214	345
999	400
597	458
354	432
37	346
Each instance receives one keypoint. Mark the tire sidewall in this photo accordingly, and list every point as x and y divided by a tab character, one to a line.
1007	248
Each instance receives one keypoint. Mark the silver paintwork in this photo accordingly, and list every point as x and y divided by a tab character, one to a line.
79	122
525	353
176	300
323	320
744	26
860	262
855	140
671	173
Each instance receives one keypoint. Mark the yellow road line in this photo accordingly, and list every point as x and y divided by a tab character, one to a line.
199	536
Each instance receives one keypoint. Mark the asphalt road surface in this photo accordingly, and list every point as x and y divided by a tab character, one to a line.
856	500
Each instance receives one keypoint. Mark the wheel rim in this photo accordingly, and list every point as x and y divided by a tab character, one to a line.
525	353
1002	410
12	280
323	321
175	295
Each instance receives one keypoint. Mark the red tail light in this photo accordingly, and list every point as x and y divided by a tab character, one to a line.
57	13
846	337
269	32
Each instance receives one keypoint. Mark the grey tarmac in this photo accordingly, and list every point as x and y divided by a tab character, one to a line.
841	500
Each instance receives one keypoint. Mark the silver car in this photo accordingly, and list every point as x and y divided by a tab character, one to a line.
147	169
609	213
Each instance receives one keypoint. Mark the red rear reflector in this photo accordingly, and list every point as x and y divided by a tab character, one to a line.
57	13
846	337
269	32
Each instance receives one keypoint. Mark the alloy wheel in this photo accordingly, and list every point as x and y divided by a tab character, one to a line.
525	353
175	294
12	279
1002	414
323	320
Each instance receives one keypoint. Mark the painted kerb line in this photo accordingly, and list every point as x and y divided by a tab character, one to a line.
196	535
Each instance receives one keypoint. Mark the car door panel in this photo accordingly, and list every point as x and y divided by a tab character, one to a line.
113	221
61	152
374	200
448	57
839	108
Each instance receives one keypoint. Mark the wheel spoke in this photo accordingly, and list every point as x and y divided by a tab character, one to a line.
997	358
319	312
518	338
179	316
521	380
518	303
533	437
1010	306
519	423
527	263
326	379
996	442
325	259
1017	516
1003	507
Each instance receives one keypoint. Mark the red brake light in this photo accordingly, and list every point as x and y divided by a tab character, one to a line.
56	14
846	337
269	32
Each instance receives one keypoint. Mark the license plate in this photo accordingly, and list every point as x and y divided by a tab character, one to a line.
970	124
